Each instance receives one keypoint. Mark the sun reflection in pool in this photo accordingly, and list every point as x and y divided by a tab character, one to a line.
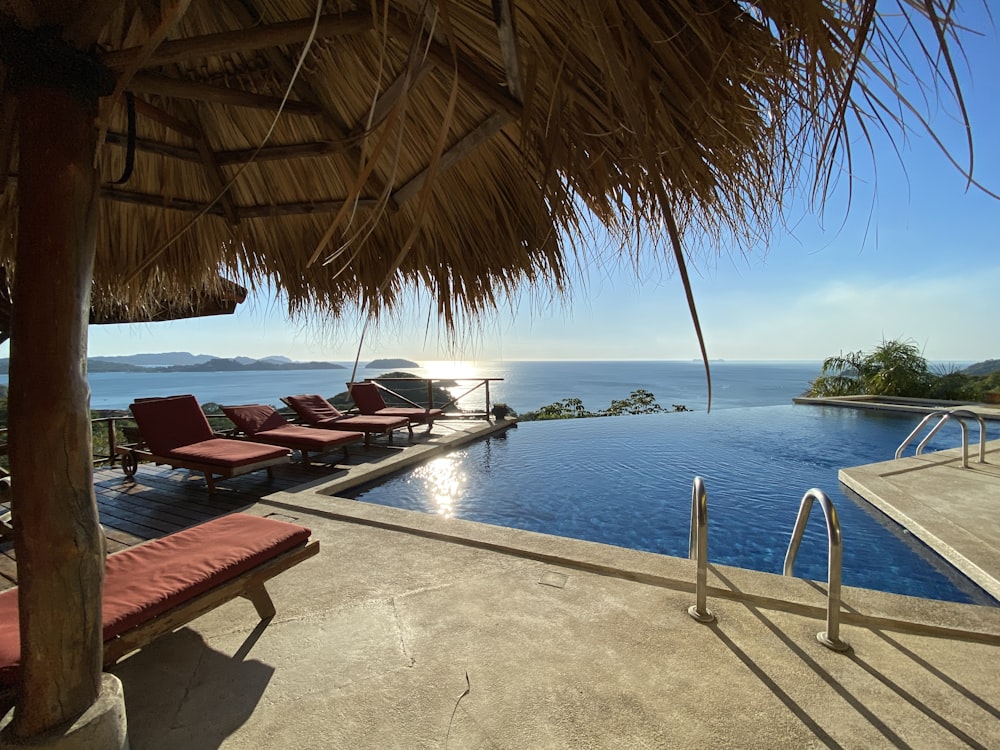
444	481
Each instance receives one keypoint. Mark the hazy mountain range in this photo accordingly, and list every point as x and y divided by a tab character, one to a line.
170	359
187	362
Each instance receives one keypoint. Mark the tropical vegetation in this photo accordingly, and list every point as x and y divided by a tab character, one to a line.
898	368
640	401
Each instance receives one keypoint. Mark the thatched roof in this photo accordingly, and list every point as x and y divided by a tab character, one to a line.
460	146
222	299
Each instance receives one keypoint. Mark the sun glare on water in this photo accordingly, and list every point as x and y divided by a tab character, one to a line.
444	482
450	369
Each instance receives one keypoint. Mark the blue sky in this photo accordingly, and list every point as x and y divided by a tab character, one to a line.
916	258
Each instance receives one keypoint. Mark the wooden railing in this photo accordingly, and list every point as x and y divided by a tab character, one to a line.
112	432
483	383
117	434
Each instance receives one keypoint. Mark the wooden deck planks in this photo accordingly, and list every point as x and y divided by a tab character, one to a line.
161	500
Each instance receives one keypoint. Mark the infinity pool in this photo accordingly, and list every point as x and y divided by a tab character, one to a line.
627	481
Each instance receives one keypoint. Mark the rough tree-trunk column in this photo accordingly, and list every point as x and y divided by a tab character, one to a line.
58	540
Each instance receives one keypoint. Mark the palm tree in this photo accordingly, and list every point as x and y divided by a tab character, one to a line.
894	368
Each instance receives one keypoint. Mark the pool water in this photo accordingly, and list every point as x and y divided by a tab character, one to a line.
626	481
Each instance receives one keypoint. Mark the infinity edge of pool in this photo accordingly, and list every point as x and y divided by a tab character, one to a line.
863	607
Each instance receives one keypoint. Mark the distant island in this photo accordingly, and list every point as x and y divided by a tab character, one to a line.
377	364
169	359
187	362
199	363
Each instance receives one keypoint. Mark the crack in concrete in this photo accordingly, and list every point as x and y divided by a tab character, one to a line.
399	630
175	722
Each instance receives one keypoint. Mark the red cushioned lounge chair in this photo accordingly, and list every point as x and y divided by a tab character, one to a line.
263	424
176	432
316	411
160	586
370	403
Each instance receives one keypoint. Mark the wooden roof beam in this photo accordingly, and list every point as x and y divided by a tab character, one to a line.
263	210
147	83
166	119
120	195
480	135
258	37
469	72
309	150
503	14
155	147
247	14
303	207
217	181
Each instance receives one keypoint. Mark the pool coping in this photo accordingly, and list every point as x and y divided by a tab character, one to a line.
900	404
860	606
953	510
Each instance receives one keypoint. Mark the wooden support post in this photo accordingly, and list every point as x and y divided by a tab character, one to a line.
261	601
57	536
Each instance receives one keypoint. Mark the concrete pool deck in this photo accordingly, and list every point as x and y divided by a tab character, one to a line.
410	630
954	511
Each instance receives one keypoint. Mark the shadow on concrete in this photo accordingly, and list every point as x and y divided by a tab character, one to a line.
858	703
894	739
181	693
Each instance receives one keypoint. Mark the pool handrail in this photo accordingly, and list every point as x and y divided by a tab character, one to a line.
698	550
959	415
831	636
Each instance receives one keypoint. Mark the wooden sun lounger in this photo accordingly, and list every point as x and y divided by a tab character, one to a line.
370	403
316	411
176	432
157	587
264	424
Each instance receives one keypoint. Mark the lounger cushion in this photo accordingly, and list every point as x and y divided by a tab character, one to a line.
367	423
370	402
226	453
313	408
366	396
148	580
308	438
10	638
414	415
166	423
254	418
319	412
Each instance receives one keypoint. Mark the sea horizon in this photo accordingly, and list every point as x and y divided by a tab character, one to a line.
524	385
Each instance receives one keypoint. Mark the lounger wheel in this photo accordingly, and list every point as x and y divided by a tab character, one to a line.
130	463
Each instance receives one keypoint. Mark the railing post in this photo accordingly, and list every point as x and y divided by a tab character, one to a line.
960	414
112	440
698	549
831	636
430	393
487	383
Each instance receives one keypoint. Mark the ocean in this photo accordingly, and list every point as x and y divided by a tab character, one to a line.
526	386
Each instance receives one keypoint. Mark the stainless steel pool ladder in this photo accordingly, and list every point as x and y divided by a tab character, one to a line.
831	636
698	550
959	415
